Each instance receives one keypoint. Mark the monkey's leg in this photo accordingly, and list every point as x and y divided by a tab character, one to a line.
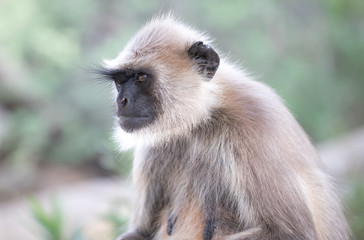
260	234
244	235
131	236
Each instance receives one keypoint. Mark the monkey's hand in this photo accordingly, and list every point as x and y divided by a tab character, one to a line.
131	236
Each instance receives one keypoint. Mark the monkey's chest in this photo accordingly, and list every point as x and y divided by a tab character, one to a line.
192	198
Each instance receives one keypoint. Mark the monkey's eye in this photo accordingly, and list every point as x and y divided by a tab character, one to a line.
141	77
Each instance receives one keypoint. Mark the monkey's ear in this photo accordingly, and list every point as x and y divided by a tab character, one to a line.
205	57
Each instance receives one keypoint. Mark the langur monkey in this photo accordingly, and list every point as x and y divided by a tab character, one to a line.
217	155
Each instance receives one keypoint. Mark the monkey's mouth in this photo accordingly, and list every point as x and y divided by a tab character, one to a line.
131	123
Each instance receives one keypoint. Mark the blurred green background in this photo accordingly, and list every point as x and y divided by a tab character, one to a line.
53	112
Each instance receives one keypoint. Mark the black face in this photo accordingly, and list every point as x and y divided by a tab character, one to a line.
136	106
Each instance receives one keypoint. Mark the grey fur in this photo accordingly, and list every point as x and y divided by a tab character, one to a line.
225	157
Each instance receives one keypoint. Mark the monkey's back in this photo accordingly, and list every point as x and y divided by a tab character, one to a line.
282	159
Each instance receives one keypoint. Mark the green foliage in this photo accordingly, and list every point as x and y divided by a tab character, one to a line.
53	110
310	52
52	223
356	212
119	222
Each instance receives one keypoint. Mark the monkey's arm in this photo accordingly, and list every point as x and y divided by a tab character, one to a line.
148	205
277	197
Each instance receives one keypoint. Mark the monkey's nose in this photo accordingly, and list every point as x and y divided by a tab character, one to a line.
122	102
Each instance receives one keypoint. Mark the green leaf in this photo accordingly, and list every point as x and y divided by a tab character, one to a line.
52	223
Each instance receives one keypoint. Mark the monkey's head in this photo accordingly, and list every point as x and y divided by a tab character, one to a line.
163	80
